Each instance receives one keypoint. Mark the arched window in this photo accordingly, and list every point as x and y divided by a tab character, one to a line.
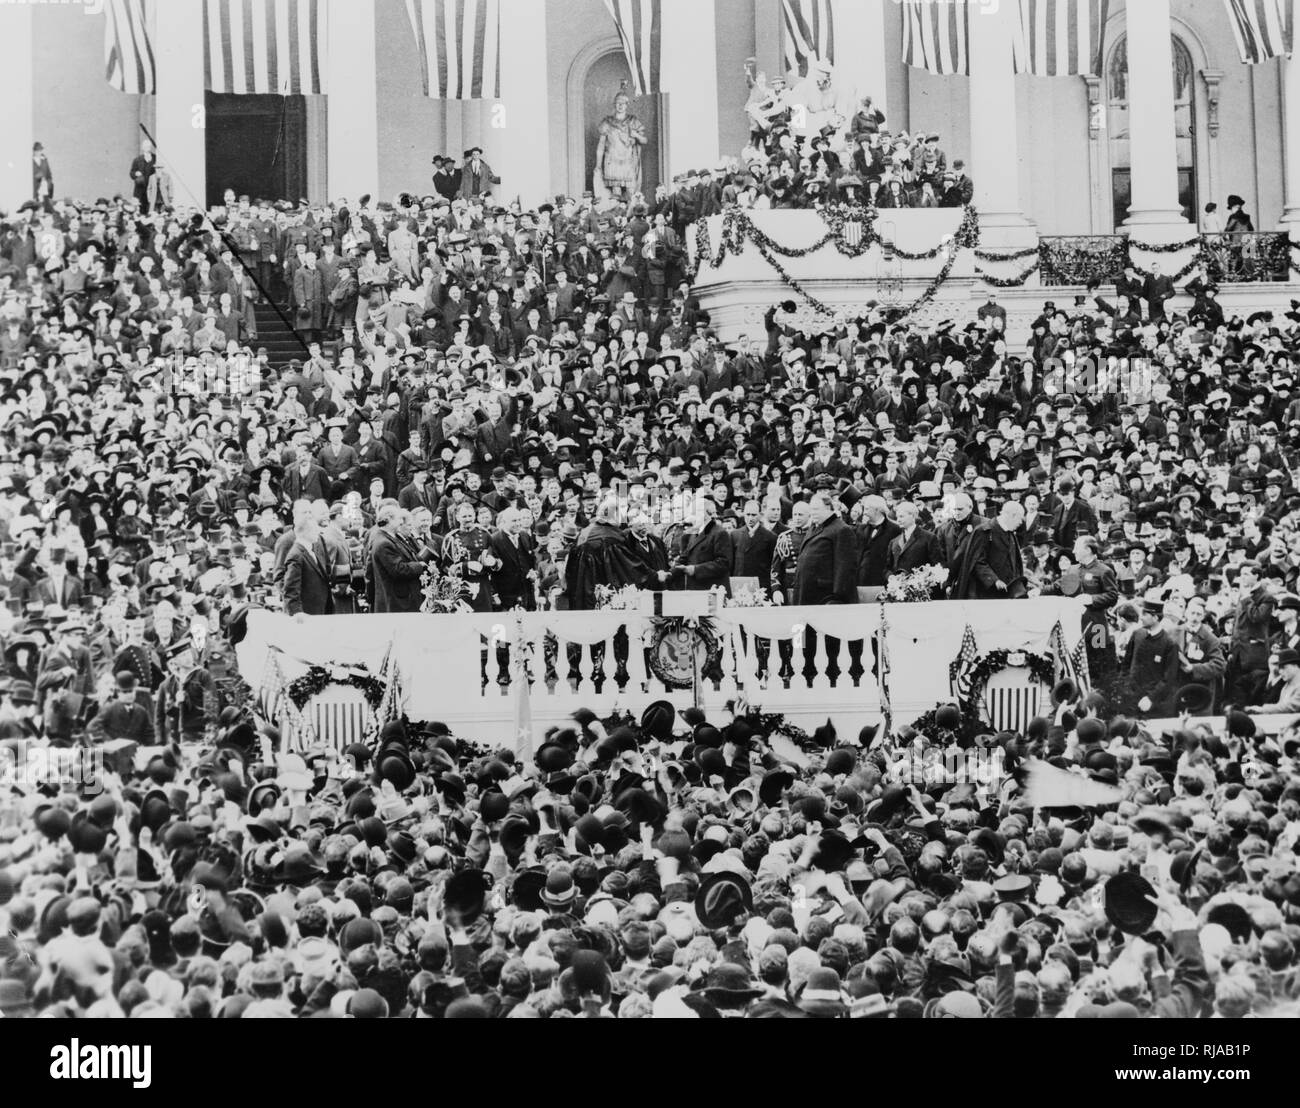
1117	124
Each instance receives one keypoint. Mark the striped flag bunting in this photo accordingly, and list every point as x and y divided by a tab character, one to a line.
639	25
264	46
960	667
936	36
1009	702
128	53
883	676
809	33
1070	663
1060	38
1263	28
460	47
1079	660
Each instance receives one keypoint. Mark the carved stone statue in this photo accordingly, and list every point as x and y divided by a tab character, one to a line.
618	152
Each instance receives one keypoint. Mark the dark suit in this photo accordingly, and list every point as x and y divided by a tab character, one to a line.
873	551
143	167
1069	523
751	555
652	552
419	496
397	574
828	565
1156	290
920	549
307	582
1152	665
510	580
992	556
67	595
476	178
314	486
826	573
709	551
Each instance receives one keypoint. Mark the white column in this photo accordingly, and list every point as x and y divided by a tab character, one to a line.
860	64
17	79
1154	211
994	144
1291	145
178	57
689	75
521	118
352	102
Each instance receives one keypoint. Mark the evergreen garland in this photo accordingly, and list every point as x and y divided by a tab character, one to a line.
317	679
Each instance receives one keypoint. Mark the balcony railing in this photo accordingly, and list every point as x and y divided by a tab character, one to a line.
1261	256
1079	259
1229	259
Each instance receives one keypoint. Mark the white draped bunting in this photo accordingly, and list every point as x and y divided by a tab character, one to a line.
440	659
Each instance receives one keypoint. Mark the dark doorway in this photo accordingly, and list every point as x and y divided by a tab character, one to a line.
256	145
605	79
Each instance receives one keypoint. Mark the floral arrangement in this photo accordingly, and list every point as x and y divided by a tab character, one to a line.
750	598
923	583
626	599
443	592
318	678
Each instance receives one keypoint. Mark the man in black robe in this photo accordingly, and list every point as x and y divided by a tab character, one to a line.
603	555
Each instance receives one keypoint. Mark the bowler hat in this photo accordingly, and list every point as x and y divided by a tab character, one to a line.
1128	903
1196	699
722	897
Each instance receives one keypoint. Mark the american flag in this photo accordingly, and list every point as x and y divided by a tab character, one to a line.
128	53
960	667
1263	28
1059	38
460	47
1070	663
809	33
639	26
264	46
936	36
882	672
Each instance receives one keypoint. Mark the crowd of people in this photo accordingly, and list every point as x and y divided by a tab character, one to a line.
533	403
